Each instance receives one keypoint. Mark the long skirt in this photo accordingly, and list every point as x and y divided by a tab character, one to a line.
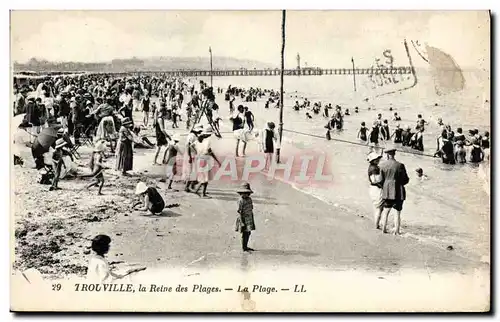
125	156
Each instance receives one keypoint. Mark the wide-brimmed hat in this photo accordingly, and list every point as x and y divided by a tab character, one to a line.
126	121
140	188
390	150
373	156
61	143
244	188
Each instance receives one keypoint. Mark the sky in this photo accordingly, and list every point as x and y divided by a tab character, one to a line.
323	38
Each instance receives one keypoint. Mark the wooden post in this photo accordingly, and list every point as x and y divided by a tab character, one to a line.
211	76
280	130
353	73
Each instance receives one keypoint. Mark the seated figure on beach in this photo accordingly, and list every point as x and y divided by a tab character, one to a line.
152	201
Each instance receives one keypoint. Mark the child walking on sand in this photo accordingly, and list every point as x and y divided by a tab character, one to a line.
245	221
172	151
97	167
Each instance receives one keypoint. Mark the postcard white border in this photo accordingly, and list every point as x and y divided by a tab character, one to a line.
187	4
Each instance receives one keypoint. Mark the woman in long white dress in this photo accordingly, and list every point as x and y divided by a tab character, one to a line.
375	189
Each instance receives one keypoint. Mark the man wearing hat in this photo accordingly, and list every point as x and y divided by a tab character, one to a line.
394	178
20	103
33	115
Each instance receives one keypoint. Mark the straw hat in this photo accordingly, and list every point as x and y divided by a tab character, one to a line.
140	188
61	143
390	150
373	156
245	188
176	137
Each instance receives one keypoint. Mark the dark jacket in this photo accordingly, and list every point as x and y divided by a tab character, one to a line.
394	178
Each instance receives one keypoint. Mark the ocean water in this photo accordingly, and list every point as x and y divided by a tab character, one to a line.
450	208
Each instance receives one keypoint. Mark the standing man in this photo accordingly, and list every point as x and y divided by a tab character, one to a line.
394	178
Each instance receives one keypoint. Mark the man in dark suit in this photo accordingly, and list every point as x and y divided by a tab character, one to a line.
394	178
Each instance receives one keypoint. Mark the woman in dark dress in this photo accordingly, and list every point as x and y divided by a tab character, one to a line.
152	201
125	154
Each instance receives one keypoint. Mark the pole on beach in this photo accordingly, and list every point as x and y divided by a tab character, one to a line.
211	73
280	130
353	72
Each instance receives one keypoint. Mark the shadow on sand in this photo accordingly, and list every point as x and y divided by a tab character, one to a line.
279	252
232	197
164	214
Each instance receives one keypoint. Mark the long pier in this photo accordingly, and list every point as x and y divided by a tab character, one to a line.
277	72
246	72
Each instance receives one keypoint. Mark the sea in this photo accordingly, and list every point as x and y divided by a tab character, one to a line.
451	208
